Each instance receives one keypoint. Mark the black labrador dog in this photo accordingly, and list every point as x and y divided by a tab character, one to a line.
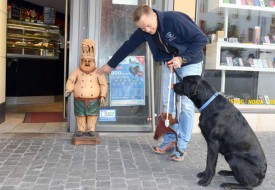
226	131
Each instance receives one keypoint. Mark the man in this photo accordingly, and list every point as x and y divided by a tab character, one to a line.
175	39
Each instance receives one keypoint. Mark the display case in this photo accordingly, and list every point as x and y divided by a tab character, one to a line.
255	55
32	40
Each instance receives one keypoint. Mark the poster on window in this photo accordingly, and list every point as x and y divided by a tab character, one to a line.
127	82
125	2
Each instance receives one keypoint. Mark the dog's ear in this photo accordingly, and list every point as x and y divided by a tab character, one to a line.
191	84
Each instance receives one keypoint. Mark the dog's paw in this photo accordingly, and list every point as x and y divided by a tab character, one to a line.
204	181
225	187
201	174
225	173
229	186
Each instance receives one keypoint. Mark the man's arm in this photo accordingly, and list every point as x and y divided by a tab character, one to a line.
191	38
127	47
196	46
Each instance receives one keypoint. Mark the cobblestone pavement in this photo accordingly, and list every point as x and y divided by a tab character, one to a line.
120	161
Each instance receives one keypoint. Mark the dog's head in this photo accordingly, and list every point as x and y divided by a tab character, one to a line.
188	86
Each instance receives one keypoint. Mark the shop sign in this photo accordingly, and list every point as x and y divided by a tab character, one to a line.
107	115
125	2
127	82
251	101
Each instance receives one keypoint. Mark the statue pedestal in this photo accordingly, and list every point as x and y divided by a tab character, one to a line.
86	139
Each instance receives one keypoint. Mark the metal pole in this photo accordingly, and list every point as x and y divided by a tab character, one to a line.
65	56
223	81
152	94
225	36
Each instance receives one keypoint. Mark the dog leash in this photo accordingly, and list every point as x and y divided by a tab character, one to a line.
169	92
177	74
167	123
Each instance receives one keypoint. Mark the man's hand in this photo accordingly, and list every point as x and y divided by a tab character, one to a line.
176	63
104	69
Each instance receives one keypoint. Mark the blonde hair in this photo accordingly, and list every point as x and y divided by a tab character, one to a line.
140	11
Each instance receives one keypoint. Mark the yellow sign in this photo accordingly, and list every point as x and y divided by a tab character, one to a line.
251	101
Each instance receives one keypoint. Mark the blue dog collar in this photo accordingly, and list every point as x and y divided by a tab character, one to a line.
209	101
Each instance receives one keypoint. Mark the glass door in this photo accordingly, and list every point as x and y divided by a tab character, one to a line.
128	104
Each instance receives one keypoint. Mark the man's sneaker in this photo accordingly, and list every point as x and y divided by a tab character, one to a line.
164	147
177	156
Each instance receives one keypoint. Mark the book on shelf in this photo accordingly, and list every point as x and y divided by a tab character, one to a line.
236	61
265	40
243	2
250	2
229	61
238	2
266	99
271	3
270	63
260	63
262	3
257	35
256	3
264	61
248	62
266	2
255	63
241	61
230	1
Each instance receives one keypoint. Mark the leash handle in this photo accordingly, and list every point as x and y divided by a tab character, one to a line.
168	104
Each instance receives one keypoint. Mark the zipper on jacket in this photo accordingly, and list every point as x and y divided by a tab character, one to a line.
162	43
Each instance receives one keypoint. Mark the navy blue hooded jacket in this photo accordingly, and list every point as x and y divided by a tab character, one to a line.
177	30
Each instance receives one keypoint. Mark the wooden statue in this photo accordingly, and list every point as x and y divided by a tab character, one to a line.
89	88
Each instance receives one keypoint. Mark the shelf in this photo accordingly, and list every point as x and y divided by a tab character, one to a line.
33	37
248	7
11	55
213	55
32	40
246	46
265	108
32	47
213	5
29	25
243	68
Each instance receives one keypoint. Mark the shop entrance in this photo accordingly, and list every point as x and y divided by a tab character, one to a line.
130	100
36	60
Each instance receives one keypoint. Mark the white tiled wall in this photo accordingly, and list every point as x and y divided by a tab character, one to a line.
258	122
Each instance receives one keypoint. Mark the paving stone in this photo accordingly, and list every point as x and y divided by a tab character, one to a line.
119	162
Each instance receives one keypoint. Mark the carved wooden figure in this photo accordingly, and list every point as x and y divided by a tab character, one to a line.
89	88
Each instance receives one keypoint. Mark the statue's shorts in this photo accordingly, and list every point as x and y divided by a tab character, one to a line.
86	107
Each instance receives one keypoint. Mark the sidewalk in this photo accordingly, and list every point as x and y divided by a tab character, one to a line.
120	161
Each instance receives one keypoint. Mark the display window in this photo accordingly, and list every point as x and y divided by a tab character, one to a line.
127	106
240	54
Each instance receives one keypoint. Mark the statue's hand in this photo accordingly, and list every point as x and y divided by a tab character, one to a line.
102	101
67	93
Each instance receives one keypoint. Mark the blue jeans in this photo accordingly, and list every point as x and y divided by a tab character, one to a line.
186	116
